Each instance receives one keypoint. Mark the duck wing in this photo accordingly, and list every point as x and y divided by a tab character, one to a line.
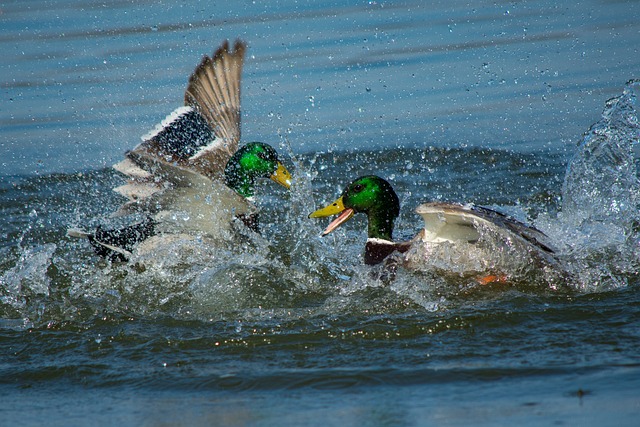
185	201
451	222
195	141
214	91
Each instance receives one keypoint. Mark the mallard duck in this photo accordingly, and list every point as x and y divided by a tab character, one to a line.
466	240
188	174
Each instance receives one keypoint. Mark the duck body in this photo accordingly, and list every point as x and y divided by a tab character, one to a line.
471	240
189	176
463	240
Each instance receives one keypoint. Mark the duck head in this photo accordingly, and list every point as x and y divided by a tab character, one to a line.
254	160
370	195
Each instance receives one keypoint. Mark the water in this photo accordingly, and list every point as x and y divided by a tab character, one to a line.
504	105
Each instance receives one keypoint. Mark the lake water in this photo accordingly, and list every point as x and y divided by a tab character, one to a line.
483	102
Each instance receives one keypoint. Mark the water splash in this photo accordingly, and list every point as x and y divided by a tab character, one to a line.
292	270
597	226
601	183
25	287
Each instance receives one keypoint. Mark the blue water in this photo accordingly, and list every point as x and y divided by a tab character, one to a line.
502	104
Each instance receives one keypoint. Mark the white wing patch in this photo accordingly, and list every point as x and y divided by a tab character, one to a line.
137	191
174	116
129	168
449	225
214	144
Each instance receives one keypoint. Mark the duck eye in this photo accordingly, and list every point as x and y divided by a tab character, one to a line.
358	188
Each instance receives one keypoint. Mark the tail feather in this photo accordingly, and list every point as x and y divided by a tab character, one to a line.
78	234
116	244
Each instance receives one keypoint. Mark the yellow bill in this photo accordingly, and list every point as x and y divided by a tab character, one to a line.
282	176
336	207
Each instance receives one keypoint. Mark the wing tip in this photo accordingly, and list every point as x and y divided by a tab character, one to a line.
239	49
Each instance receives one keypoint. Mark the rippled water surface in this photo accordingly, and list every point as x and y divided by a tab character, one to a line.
519	106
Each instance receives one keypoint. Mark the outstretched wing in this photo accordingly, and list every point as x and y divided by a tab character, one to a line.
450	222
194	142
214	91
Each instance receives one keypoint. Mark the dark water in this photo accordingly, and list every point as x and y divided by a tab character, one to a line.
485	103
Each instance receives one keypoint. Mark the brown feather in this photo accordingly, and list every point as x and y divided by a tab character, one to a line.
213	91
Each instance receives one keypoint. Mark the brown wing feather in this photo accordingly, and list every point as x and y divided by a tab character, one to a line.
451	221
214	90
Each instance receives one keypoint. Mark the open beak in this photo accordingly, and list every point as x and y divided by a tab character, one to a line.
334	208
282	176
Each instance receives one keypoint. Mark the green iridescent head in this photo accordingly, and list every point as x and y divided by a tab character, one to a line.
254	160
371	195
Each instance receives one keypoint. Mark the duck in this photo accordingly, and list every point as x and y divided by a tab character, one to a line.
189	175
461	240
